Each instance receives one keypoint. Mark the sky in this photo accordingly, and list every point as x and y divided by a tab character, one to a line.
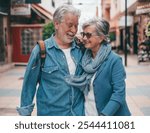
87	7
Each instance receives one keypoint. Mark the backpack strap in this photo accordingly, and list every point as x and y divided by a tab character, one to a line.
42	51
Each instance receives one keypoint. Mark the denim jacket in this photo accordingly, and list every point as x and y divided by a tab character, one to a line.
54	97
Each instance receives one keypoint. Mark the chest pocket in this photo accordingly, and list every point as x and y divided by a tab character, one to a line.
50	73
49	69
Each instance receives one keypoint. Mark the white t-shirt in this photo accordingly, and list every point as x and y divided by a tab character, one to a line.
71	64
90	106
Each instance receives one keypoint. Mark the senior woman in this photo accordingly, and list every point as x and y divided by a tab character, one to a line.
103	79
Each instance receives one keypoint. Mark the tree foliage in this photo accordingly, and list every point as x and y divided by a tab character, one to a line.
48	30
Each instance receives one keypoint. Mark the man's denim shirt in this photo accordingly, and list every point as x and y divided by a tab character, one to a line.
54	96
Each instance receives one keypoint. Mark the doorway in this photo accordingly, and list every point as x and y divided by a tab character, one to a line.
2	42
24	38
135	39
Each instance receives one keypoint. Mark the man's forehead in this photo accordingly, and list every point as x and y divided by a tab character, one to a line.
70	18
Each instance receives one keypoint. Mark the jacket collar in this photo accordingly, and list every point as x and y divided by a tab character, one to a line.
52	43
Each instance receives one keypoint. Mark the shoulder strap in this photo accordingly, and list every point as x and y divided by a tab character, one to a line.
42	51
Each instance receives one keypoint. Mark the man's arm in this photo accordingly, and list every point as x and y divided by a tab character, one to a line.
31	79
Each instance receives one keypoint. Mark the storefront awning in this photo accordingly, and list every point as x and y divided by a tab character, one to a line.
143	8
32	1
41	11
3	11
132	8
4	7
143	0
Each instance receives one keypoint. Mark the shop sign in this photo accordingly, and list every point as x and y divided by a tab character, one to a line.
18	7
142	9
122	21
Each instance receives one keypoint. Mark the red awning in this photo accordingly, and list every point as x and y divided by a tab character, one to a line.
41	11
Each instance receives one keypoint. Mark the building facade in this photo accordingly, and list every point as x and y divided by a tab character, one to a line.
21	26
5	42
138	15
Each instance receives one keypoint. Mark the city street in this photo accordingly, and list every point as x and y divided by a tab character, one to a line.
138	88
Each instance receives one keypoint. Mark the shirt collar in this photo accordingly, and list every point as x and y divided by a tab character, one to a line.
54	44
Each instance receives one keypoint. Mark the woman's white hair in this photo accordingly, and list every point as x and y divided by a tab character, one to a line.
101	26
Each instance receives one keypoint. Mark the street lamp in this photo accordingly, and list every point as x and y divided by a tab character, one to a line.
69	2
97	10
126	34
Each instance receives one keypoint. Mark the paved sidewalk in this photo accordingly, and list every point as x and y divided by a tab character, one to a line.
138	88
10	87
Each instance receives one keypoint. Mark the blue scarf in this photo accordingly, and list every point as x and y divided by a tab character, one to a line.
89	66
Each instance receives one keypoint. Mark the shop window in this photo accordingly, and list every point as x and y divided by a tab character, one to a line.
29	37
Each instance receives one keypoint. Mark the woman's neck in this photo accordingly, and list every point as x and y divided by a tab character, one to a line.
94	54
94	51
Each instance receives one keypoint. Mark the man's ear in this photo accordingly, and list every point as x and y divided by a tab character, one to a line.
56	24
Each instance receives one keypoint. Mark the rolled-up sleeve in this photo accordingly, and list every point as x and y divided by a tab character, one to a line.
25	111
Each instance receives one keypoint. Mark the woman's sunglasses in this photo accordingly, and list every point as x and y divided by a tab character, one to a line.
88	35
